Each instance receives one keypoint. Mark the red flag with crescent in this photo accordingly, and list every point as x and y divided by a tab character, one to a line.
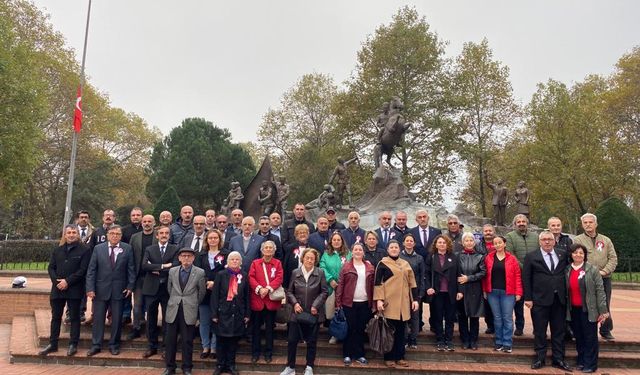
77	113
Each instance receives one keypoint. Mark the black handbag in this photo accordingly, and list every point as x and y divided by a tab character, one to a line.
306	318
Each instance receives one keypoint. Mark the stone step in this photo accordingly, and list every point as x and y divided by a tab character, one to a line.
24	349
425	339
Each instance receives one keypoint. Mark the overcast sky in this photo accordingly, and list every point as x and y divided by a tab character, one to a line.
229	61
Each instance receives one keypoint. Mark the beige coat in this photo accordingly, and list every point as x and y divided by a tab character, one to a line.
393	283
603	256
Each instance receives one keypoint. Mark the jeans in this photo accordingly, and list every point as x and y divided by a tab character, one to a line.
502	308
207	336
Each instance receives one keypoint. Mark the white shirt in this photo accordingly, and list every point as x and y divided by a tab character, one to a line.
545	256
360	293
195	239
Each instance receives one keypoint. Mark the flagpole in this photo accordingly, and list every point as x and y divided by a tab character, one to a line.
74	144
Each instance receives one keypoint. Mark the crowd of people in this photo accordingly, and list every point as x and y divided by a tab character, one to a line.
230	280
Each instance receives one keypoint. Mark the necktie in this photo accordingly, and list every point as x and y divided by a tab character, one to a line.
162	250
425	237
386	236
112	256
553	266
83	233
196	247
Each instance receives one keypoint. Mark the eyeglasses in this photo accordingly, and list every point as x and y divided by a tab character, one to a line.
452	222
222	222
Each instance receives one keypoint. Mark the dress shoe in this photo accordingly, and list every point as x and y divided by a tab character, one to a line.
562	365
73	349
588	371
537	364
48	349
607	335
133	334
233	370
93	351
149	352
254	360
205	354
268	358
390	364
402	363
186	372
217	371
114	351
168	372
518	332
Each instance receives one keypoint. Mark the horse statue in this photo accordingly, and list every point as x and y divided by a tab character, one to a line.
390	135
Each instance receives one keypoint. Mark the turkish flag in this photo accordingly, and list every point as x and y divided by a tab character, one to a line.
77	113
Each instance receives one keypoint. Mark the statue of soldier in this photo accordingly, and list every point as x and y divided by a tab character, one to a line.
522	199
325	200
342	180
282	191
499	200
235	196
265	197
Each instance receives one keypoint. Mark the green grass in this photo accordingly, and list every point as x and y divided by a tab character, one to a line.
34	266
626	277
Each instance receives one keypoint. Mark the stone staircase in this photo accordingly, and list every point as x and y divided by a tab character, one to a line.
30	333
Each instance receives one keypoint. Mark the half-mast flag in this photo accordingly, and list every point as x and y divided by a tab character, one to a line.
77	113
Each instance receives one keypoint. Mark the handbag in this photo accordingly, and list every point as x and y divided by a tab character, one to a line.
380	334
339	327
278	293
306	318
330	306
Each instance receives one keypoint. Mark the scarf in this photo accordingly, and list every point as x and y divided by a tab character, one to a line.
469	251
233	283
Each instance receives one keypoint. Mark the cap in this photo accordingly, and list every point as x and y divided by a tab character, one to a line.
185	249
330	209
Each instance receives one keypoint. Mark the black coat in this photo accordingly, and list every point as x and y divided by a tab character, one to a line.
450	270
152	261
202	261
287	232
539	283
69	262
230	314
311	293
291	260
474	267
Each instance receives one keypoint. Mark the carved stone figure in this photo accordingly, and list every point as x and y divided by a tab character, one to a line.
390	135
342	180
265	198
499	201
235	197
325	200
522	198
282	190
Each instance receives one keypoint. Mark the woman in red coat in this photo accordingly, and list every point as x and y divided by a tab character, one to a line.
265	276
355	295
503	287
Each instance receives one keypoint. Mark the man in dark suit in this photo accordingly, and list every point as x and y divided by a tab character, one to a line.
384	231
400	227
318	240
156	262
247	244
67	270
140	241
111	276
187	287
264	224
287	236
195	239
543	279
424	233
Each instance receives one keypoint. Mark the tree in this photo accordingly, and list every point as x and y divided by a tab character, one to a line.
403	59
302	131
199	159
484	99
168	201
617	221
22	106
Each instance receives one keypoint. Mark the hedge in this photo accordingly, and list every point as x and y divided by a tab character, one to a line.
19	251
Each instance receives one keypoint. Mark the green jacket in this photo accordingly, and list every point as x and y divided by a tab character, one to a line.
602	256
592	290
331	265
520	245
